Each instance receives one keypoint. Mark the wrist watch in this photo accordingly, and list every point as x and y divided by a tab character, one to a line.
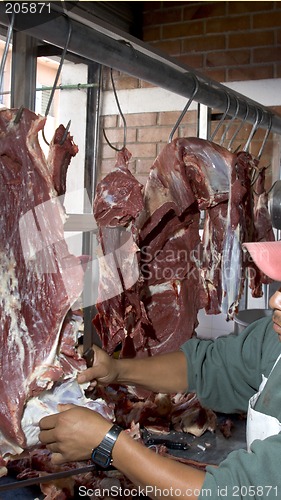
102	454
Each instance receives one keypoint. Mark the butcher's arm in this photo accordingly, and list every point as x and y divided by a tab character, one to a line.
71	435
157	475
163	373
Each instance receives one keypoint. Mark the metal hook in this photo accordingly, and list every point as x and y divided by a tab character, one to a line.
18	115
230	121
6	49
122	116
266	136
239	126
223	116
63	139
194	92
254	129
58	74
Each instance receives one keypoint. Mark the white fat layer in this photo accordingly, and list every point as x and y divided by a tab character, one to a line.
10	303
68	392
178	234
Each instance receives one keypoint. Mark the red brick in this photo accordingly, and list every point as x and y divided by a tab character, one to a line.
155	134
170	117
116	135
160	147
278	71
151	34
183	29
194	61
171	47
124	82
140	119
144	150
278	36
109	121
155	17
251	39
267	55
187	130
228	24
211	9
106	165
228	58
251	73
216	74
151	6
267	19
242	7
108	153
201	44
143	166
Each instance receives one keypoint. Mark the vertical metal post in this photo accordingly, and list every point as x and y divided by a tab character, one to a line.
203	121
91	158
23	81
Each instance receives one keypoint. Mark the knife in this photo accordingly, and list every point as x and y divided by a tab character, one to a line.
49	477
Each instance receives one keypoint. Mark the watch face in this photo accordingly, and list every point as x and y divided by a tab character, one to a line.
101	457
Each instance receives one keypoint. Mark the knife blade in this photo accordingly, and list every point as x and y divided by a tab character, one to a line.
45	479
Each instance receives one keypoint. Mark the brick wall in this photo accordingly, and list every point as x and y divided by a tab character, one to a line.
226	41
148	133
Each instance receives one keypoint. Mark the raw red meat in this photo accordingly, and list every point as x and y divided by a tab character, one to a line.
262	230
179	272
40	279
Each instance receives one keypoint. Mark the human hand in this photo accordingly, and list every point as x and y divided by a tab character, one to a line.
104	370
72	434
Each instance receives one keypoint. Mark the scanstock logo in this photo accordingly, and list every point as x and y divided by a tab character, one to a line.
45	251
27	15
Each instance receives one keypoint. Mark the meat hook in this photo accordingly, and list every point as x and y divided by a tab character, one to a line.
194	92
254	129
62	141
6	49
266	136
58	75
261	151
239	126
18	115
230	121
223	116
122	116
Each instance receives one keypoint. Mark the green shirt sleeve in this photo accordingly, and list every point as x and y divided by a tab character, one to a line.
246	475
227	371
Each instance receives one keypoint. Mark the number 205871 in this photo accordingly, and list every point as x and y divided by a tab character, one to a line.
27	7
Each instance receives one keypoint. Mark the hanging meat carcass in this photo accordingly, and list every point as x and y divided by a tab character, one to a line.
178	272
40	279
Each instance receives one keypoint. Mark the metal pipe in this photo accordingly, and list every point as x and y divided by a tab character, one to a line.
97	41
76	86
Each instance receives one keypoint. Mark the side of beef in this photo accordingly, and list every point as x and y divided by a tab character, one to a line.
40	279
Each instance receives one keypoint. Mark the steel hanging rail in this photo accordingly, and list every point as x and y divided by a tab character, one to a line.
99	42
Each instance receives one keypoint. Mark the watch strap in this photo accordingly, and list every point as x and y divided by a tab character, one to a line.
102	454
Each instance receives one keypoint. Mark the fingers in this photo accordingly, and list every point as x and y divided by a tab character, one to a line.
57	458
48	422
47	437
87	376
